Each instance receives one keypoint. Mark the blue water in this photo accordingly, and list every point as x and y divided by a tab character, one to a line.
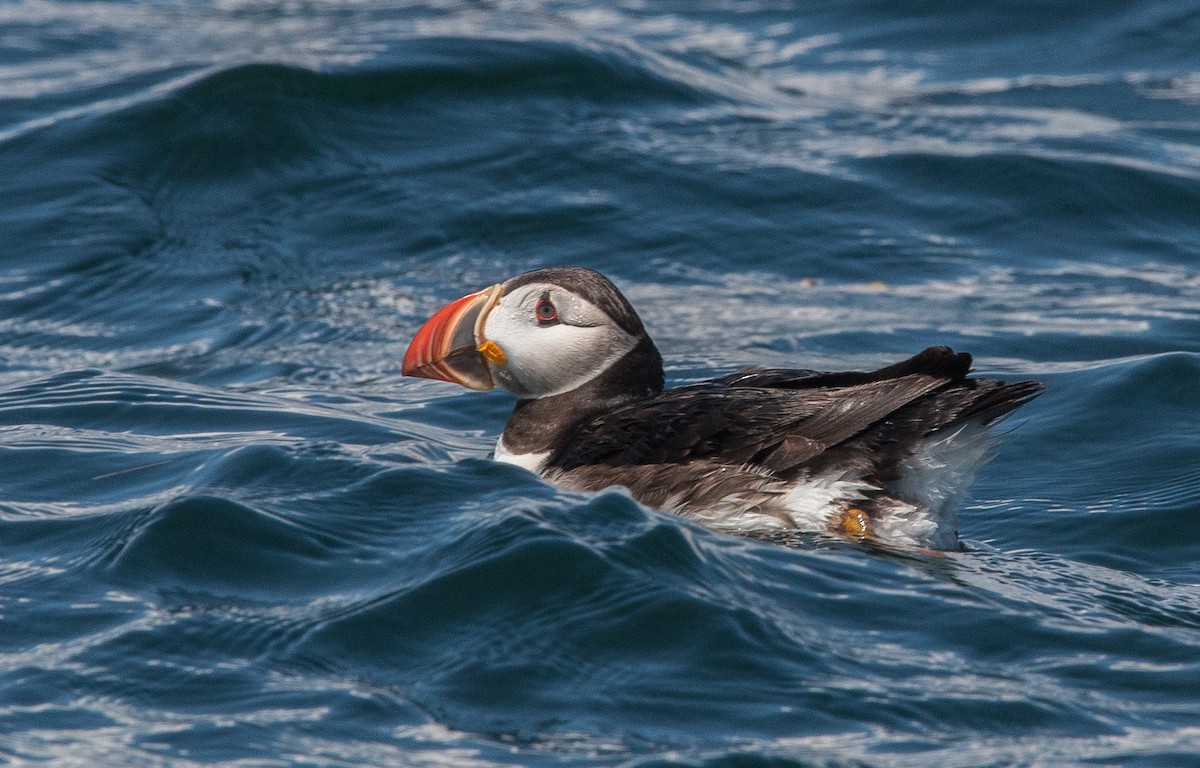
232	534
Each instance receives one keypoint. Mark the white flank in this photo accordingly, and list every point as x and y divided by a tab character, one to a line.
812	502
935	480
942	469
917	511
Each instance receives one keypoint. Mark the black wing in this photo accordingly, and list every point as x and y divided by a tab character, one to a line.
941	362
780	419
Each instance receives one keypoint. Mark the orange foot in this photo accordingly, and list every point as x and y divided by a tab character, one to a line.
853	523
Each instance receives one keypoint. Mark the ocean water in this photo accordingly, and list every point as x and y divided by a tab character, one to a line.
232	534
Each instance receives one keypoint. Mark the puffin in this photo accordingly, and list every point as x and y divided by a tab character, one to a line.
882	456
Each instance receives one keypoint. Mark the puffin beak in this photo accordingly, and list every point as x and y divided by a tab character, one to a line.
450	345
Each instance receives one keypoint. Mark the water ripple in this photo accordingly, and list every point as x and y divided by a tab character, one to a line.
233	534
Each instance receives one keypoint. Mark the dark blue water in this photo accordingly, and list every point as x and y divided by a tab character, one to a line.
232	534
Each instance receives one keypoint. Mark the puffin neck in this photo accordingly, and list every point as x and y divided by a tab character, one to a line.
543	424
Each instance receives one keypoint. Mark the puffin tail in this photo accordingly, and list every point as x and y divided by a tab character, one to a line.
996	399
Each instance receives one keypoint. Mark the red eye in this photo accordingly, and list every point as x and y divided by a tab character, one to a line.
546	311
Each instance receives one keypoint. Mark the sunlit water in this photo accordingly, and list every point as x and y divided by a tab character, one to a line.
231	533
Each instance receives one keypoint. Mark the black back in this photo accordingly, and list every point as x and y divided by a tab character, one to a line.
787	421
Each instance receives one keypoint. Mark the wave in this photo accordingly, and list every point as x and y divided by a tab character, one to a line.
471	596
283	210
426	67
231	531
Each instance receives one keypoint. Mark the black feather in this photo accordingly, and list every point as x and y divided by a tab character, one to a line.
781	420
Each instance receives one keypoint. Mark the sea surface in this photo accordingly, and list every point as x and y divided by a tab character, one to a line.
232	534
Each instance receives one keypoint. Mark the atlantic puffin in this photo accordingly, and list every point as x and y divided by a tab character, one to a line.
883	456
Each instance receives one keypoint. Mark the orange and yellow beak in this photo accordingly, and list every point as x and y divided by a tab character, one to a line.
450	346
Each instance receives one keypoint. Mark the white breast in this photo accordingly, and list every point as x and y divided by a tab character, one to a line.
531	461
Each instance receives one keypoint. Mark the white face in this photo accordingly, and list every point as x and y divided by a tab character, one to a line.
554	340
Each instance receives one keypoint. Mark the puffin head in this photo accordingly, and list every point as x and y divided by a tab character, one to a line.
537	335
